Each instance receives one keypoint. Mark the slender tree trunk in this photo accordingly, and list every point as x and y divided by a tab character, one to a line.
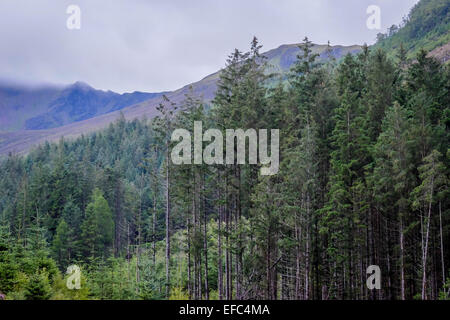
205	240
227	245
138	247
388	260
128	250
167	222
219	253
425	250
268	262
402	263
194	225
189	258
239	276
297	260
442	243
154	232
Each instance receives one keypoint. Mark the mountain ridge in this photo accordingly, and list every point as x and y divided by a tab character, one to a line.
49	106
280	59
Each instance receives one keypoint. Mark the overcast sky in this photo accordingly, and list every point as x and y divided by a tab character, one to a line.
157	45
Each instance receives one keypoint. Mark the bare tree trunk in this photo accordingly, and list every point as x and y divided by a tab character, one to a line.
297	260
138	246
194	225
154	232
137	270
307	248
425	250
189	258
205	240
402	263
219	249
388	260
167	222
442	244
239	276
268	262
227	246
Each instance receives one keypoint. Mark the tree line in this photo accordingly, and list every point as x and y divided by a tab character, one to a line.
363	180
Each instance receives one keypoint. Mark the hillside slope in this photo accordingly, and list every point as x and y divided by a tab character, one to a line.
45	107
280	60
427	26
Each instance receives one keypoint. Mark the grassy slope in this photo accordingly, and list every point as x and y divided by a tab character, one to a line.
427	26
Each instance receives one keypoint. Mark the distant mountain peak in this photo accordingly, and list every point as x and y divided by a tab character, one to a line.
45	107
81	85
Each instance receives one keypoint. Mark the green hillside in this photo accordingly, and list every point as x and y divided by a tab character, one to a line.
427	26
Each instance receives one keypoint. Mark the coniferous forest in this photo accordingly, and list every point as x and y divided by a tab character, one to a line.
363	180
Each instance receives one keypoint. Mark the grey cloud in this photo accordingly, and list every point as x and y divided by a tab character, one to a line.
162	45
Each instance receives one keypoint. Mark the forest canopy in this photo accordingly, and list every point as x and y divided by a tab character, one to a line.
363	180
363	176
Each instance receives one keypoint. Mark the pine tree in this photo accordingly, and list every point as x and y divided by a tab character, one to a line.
164	127
38	287
432	174
393	179
350	155
61	244
98	226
